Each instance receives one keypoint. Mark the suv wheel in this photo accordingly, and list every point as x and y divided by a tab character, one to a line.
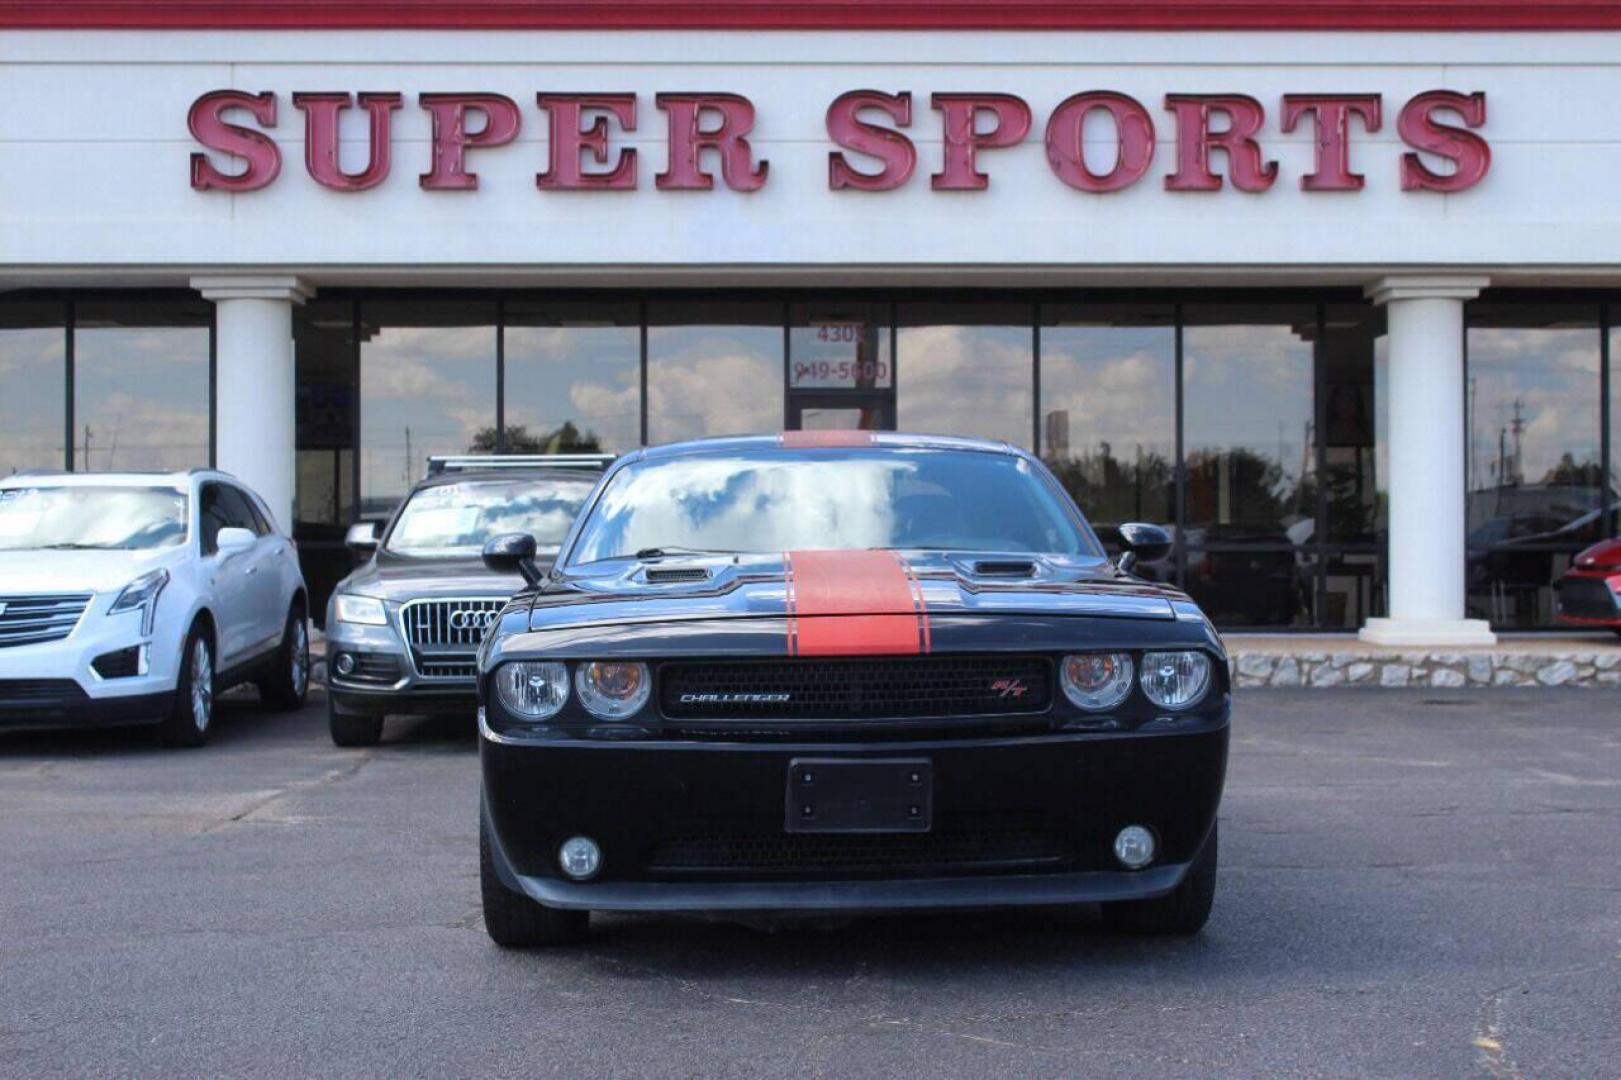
513	920
1183	911
352	729
192	714
288	683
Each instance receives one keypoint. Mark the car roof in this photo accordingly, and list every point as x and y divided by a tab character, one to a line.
801	440
128	478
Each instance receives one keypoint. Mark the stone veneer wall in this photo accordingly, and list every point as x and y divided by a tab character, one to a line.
1437	669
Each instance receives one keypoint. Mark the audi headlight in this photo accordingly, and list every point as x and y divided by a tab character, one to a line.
1096	681
1175	680
361	610
532	689
613	690
142	595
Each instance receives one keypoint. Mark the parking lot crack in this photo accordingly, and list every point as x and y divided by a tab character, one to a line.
269	798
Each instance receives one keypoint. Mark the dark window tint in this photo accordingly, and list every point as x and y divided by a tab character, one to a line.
224	507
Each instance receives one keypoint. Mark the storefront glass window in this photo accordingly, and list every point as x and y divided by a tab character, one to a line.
140	380
1108	409
713	368
427	386
967	369
1533	462
33	371
573	377
1352	383
1249	441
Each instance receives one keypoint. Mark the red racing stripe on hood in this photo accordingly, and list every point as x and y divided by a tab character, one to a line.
853	603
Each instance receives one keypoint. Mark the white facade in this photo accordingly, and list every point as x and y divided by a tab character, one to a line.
95	164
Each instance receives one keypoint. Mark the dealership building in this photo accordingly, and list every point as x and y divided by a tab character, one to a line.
1326	287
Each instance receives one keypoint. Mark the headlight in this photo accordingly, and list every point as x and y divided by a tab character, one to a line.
1175	680
364	610
1096	681
532	690
613	690
142	595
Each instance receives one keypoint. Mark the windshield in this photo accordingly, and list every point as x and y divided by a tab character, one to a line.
85	517
458	518
785	500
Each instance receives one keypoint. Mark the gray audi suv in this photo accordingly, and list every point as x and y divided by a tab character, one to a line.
403	629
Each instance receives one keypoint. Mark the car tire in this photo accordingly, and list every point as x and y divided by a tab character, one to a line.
191	716
288	684
1184	910
353	729
1616	630
514	921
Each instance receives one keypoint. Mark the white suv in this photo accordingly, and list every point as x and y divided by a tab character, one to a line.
131	598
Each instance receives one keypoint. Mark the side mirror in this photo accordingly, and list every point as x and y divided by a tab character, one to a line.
513	553
1142	543
362	539
233	541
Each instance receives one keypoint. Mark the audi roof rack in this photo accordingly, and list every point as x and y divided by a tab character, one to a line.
464	462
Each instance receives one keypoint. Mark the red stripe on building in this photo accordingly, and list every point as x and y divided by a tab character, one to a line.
852	603
815	14
822	440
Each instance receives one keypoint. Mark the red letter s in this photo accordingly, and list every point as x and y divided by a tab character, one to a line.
847	129
209	127
1419	130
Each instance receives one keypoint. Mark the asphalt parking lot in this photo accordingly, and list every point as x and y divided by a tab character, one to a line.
1413	883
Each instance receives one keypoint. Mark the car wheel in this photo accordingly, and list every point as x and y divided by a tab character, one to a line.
191	717
1184	910
288	683
513	920
1617	630
353	729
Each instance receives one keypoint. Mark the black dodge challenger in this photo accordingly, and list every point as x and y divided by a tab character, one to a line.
844	672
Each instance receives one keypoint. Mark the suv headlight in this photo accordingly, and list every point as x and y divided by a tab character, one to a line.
1096	681
1175	680
531	689
142	595
613	690
362	610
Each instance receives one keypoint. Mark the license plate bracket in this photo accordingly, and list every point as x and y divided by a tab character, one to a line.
873	795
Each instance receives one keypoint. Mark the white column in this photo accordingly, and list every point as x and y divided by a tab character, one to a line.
254	418
1426	482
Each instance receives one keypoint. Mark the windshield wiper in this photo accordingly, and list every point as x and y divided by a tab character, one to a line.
72	546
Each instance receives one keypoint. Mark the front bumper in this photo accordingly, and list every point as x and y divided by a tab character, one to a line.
57	683
699	826
404	692
37	704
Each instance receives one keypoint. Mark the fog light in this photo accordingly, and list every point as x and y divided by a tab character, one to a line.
580	857
1134	847
344	664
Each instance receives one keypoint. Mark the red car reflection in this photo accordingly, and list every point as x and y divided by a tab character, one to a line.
1590	591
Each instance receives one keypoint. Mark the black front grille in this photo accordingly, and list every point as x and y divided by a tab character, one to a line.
1587	598
40	692
917	853
886	689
